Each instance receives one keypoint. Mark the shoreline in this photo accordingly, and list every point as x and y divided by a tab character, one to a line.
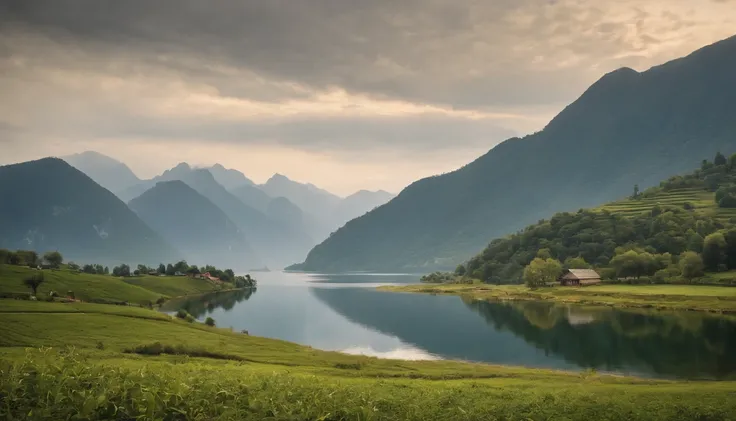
654	297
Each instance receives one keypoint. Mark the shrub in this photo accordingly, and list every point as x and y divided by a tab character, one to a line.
190	318
157	348
182	314
161	301
100	345
210	322
348	366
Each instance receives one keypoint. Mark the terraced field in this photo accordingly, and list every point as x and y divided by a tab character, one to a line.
702	200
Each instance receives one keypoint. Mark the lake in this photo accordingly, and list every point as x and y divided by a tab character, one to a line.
346	313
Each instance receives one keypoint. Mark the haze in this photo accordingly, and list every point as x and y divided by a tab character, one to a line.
347	95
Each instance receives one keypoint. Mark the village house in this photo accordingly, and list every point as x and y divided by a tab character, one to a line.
577	277
210	277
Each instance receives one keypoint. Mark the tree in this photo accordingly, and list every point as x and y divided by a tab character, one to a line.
691	265
73	266
170	269
143	269
27	257
33	282
89	269
53	258
695	242
720	159
460	270
576	263
106	270
636	192
544	253
210	322
181	266
714	253
727	201
732	162
161	269
540	272
122	270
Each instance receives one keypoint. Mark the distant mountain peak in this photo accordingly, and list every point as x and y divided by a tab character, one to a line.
104	170
182	166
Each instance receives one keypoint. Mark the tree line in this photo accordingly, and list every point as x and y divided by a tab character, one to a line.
664	244
55	260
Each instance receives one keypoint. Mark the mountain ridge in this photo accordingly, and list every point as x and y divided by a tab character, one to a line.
627	128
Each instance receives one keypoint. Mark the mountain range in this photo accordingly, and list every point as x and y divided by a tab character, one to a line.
276	231
200	229
628	128
50	205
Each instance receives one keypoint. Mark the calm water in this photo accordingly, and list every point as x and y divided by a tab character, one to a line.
345	313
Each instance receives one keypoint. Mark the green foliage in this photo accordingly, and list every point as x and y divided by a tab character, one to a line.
715	251
209	321
691	265
460	270
245	282
576	263
121	271
438	278
182	314
53	259
540	272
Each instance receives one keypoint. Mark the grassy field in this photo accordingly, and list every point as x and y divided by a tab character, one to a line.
89	287
703	202
89	375
675	297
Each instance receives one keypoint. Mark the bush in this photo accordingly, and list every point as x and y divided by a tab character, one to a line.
190	318
157	348
161	301
100	345
210	322
182	314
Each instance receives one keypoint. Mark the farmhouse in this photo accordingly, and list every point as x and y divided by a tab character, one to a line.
572	277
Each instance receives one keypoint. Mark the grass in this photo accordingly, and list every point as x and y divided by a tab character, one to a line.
88	375
702	200
88	287
674	297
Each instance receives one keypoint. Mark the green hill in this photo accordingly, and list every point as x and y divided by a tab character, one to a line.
679	215
50	205
628	128
90	287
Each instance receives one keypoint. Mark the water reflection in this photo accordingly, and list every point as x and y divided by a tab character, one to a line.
202	305
345	313
666	344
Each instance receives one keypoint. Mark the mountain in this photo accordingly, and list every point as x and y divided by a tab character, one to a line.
50	205
252	196
229	179
628	128
665	221
194	225
358	204
308	197
273	241
107	172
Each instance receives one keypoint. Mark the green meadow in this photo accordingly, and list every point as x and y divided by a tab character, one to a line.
720	299
94	361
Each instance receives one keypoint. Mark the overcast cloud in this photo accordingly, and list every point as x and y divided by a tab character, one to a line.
346	94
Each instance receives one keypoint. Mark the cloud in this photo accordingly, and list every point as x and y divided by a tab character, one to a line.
332	79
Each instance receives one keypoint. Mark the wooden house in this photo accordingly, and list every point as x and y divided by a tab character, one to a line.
576	277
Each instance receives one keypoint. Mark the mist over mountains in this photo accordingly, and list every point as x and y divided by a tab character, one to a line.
218	215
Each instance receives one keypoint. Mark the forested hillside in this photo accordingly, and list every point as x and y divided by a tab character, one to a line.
628	128
50	205
650	232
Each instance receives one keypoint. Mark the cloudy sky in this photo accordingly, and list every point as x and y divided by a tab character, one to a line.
346	94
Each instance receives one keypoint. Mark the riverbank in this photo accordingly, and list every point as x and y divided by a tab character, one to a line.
111	353
664	297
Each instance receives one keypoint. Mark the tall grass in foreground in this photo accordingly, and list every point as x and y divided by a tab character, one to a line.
65	385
